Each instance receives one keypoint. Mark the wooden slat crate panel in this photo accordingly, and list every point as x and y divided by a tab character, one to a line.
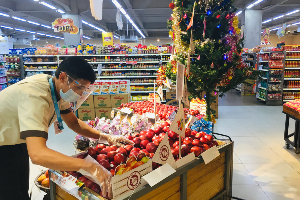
58	198
208	186
291	111
63	194
175	196
201	170
166	191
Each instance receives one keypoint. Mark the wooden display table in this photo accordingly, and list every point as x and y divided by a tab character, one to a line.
195	180
291	113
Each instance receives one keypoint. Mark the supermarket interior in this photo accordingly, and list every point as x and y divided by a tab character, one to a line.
151	99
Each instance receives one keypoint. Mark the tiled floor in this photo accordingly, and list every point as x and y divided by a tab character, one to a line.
263	167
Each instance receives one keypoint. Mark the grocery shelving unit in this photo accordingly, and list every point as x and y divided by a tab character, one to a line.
269	89
291	88
250	60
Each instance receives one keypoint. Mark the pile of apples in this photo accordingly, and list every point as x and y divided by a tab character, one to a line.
162	110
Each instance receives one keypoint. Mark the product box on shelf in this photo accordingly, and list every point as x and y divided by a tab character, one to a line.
86	114
118	99
124	87
171	95
88	103
102	101
103	112
105	85
114	87
97	85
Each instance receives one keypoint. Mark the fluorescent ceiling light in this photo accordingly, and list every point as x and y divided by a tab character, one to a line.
86	37
31	22
3	14
293	12
40	33
17	29
295	24
238	13
116	37
31	32
35	0
128	17
62	38
48	5
60	11
7	27
267	21
253	4
93	26
45	26
278	17
20	19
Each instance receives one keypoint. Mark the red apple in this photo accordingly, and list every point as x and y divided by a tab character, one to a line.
151	147
151	131
105	150
150	135
139	163
113	148
144	144
144	137
162	135
206	147
157	130
112	171
119	158
135	149
215	143
133	153
198	136
82	179
89	184
187	140
194	133
188	132
203	140
144	151
137	142
154	165
143	132
157	142
196	150
196	142
151	155
184	150
176	143
170	142
92	152
172	135
156	137
82	156
99	147
128	148
166	129
175	152
122	151
104	163
164	124
129	137
111	155
209	137
96	188
102	157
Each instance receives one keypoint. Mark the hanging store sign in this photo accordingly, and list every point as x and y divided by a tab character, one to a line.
64	26
108	39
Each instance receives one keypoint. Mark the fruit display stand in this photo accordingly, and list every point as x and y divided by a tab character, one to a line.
194	180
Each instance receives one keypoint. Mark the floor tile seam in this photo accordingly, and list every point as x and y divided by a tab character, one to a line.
264	191
250	174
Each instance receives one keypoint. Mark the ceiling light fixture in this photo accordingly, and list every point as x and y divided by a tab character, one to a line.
3	14
17	29
253	4
18	18
7	27
128	17
86	37
238	13
269	20
48	5
293	12
31	32
43	25
116	37
40	33
60	11
93	26
31	22
278	17
296	24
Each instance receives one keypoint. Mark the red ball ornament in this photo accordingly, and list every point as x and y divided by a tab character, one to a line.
227	16
218	16
172	5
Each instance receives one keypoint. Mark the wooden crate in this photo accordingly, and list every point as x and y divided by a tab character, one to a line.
291	111
193	181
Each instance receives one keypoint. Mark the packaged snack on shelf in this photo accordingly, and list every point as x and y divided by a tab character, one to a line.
124	86
105	87
97	85
114	87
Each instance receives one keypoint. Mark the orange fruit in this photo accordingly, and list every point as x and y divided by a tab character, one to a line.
47	173
45	182
41	178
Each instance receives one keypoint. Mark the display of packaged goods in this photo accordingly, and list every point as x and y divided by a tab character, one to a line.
291	95
292	84
274	97
292	47
124	86
277	56
105	85
97	86
291	64
276	64
114	87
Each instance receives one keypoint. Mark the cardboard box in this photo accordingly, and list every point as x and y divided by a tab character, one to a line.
215	105
118	99
171	95
97	85
103	112
124	87
102	101
88	103
114	87
105	87
86	114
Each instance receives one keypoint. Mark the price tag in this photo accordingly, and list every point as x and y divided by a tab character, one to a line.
163	153
112	114
159	174
210	154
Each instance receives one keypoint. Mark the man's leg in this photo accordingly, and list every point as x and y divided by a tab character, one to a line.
14	179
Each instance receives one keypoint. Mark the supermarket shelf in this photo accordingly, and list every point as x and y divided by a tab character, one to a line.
264	52
126	77
262	88
293	68
129	69
288	100
38	63
98	55
291	88
264	70
274	81
35	70
264	78
134	92
291	79
249	60
164	101
261	99
141	83
292	59
293	51
40	55
2	76
3	83
263	61
124	62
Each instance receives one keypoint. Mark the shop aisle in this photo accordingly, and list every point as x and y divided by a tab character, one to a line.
263	167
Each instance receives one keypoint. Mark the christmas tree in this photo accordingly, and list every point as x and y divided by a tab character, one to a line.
208	42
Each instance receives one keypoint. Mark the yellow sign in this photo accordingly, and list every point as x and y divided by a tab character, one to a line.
108	39
64	26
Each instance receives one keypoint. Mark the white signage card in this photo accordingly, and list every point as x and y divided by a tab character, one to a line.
210	154
186	159
160	92
178	124
164	154
180	81
167	83
159	174
67	183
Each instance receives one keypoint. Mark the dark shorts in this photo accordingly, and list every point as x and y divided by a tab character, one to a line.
14	168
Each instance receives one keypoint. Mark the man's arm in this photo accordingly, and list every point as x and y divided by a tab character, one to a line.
81	127
40	154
